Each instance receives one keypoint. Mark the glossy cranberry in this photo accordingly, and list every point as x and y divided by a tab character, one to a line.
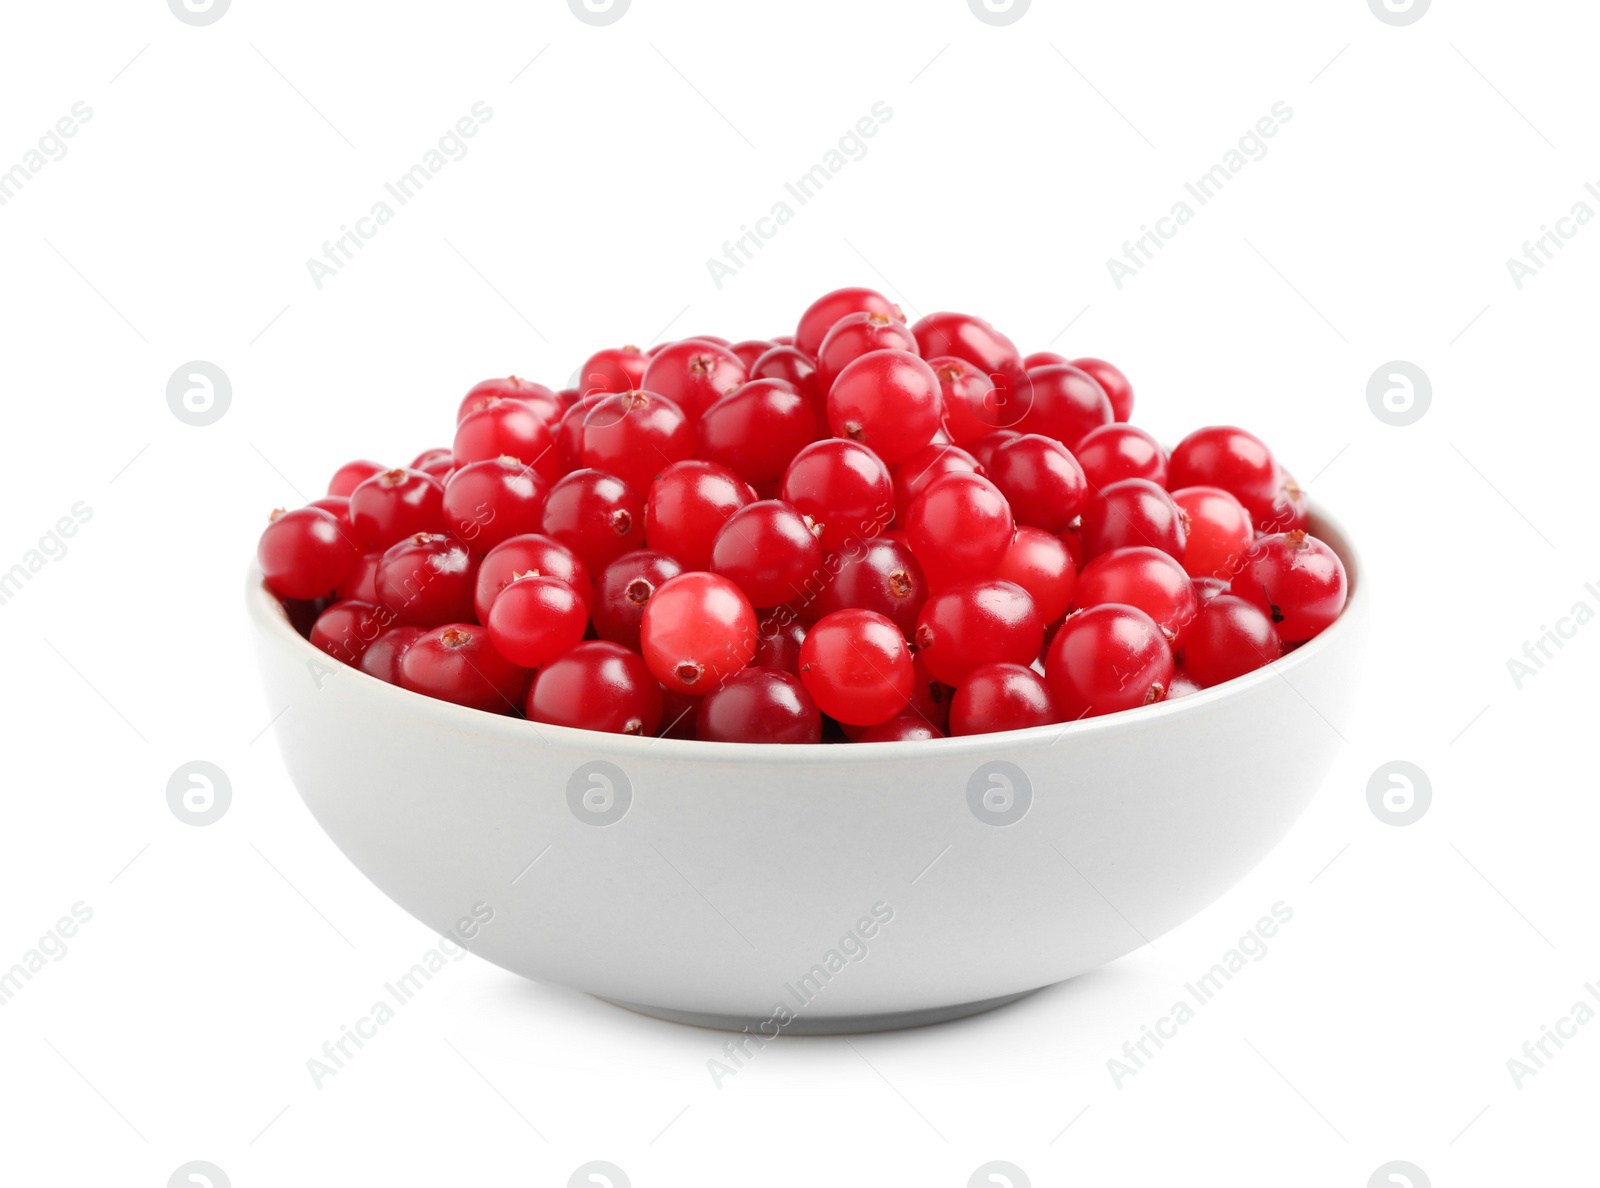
361	583
880	576
568	431
508	429
1297	580
597	685
596	515
888	400
396	504
1132	512
858	334
959	528
1112	453
794	367
1228	638
493	500
844	487
689	504
750	349
351	475
1040	563
1002	696
901	728
1143	577
536	619
1218	531
457	662
338	506
1117	388
974	404
438	462
975	623
757	429
693	375
1207	588
347	629
758	705
914	474
382	656
1042	359
303	554
1065	403
697	628
778	638
1108	658
1182	685
614	369
857	667
635	435
1226	457
1040	479
821	315
624	589
770	550
983	448
428	579
1289	510
969	338
531	555
491	391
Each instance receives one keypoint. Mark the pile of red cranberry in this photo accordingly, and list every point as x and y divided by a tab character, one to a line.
865	531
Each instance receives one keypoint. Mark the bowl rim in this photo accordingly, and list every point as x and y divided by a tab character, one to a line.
271	619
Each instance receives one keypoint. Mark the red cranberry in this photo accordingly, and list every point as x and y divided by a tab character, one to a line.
975	623
697	628
596	515
1040	479
975	405
1002	696
888	400
689	504
428	579
614	369
901	728
493	500
351	475
912	475
757	429
1116	385
1143	577
769	550
855	335
457	663
857	667
1108	658
796	368
1112	453
536	396
509	429
635	435
844	487
1041	565
394	505
361	583
1226	457
826	310
959	527
881	576
1228	638
1297	580
303	554
623	591
1219	531
383	655
347	629
1133	512
758	705
531	555
778	638
1064	403
597	685
750	350
969	338
536	619
694	375
1042	359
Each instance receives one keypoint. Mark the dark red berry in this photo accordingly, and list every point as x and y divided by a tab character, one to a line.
597	685
758	705
457	663
303	554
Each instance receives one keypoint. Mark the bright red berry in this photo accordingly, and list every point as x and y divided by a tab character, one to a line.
624	589
1227	457
970	338
1132	512
880	576
844	487
1040	479
428	579
614	369
351	475
382	656
1297	580
493	500
826	310
303	554
597	685
508	428
1143	577
1219	531
693	374
975	623
689	504
1108	658
635	435
858	334
1041	565
1228	638
395	504
531	555
912	476
458	663
959	527
596	515
347	629
536	396
1115	452
770	551
1002	697
857	667
1117	388
1065	403
888	400
697	628
536	619
757	429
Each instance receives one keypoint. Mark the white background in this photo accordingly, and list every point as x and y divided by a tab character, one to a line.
1377	227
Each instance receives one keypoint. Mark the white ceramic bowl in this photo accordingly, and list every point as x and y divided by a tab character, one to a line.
808	889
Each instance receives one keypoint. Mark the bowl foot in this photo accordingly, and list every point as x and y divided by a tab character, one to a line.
824	1024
